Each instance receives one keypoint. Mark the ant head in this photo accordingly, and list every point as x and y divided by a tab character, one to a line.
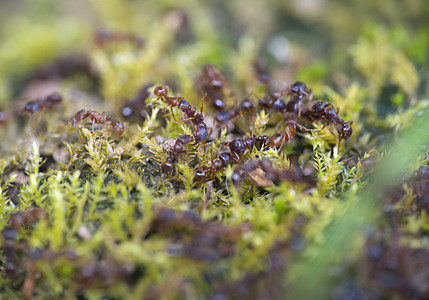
245	105
222	117
160	91
219	104
299	88
279	104
31	107
54	98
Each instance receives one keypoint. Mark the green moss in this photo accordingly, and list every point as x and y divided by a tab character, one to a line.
113	225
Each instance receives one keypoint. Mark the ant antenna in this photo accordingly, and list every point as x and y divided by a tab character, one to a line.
202	102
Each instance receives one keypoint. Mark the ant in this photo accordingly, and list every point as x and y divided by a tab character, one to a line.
238	148
137	106
279	139
103	37
49	102
99	118
177	101
223	160
272	174
168	165
211	81
201	133
261	71
327	112
10	233
223	116
297	92
66	66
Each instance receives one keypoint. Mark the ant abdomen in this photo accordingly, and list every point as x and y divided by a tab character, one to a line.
201	134
225	157
185	139
167	167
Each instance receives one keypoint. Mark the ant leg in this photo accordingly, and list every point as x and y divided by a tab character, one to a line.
184	120
202	102
303	127
310	96
172	113
242	156
278	125
339	142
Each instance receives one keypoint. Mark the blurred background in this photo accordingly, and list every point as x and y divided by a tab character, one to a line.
317	41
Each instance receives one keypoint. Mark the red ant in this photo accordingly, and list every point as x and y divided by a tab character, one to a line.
99	118
10	233
201	133
238	148
137	106
211	81
297	93
279	139
168	165
67	66
223	160
177	101
49	102
326	111
223	116
272	174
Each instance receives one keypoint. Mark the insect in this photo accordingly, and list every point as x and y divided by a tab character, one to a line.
237	149
261	71
223	116
137	106
10	245
279	139
187	109
168	166
66	66
98	118
212	82
296	92
201	132
49	102
322	110
272	174
217	165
